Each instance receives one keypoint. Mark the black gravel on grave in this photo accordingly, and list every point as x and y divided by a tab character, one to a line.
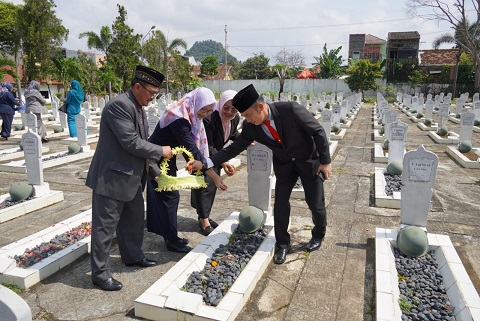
421	284
9	203
223	268
393	183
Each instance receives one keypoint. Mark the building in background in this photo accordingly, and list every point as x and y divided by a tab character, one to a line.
366	46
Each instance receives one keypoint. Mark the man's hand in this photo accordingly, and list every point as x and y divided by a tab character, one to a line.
194	165
228	168
326	169
167	152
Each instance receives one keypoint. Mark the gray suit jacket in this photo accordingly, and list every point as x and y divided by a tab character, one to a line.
118	167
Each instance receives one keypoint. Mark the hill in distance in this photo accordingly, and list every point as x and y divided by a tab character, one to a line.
204	48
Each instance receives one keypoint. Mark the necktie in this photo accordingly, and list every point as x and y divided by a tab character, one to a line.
142	132
272	131
142	124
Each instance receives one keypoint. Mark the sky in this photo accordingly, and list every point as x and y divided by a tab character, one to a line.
252	26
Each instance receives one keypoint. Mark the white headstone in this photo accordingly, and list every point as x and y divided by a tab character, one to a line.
260	173
466	126
32	149
476	109
102	104
326	120
152	119
429	109
390	118
443	113
63	120
86	110
81	123
336	113
418	178
31	122
459	106
396	143
55	109
475	97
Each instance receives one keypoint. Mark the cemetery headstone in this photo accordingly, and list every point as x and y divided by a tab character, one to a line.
31	122
81	123
32	150
466	126
418	178
397	138
326	120
260	173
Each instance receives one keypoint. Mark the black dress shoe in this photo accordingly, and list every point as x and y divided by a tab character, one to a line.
280	255
207	230
314	244
213	223
177	247
109	284
182	240
44	140
143	263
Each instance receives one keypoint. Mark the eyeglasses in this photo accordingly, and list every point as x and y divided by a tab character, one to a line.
205	111
230	110
154	94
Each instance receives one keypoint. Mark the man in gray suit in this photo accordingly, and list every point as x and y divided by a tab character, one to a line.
118	174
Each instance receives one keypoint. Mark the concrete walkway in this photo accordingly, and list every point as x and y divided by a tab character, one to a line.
335	283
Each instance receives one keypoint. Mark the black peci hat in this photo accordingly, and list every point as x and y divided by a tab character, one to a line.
245	98
149	75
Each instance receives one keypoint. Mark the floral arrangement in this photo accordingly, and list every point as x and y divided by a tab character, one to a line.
171	183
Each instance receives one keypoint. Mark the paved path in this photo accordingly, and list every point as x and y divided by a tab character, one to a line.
334	283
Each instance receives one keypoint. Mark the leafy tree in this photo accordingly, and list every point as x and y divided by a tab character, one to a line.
158	51
4	62
41	32
466	34
88	73
209	66
9	37
181	72
466	70
107	75
287	62
65	69
330	63
416	78
255	68
362	76
124	48
202	49
100	41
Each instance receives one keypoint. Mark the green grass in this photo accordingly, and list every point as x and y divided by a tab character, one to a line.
405	305
10	285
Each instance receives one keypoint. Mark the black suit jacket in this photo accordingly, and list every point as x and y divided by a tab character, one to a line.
304	142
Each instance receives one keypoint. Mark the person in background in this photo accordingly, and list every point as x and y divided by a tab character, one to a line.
180	126
220	127
74	101
300	149
117	176
7	108
36	104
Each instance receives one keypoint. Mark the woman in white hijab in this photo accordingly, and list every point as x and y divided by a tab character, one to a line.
220	127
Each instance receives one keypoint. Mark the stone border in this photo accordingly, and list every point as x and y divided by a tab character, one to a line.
422	126
381	198
460	158
17	167
164	300
452	138
338	136
26	278
14	153
460	290
47	198
378	154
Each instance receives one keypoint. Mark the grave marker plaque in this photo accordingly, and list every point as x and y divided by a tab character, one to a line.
32	150
260	173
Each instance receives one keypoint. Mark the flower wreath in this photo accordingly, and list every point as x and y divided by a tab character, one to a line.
170	183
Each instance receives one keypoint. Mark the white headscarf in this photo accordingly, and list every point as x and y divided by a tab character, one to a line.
226	122
187	108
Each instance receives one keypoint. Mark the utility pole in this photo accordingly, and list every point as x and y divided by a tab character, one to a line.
226	54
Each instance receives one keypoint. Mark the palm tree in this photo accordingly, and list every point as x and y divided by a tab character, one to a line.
158	51
100	42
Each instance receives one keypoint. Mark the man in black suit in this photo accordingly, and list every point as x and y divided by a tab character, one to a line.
300	149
